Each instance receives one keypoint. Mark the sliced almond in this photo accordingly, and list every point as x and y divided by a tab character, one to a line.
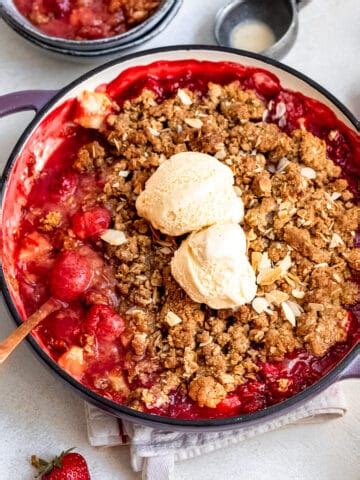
283	162
260	305
172	319
289	314
134	311
220	154
295	307
114	237
276	297
194	122
124	173
184	97
308	172
265	262
251	236
269	276
280	110
285	263
255	260
297	293
336	241
154	132
335	196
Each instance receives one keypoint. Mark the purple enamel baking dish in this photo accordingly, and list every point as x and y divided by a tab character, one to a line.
44	102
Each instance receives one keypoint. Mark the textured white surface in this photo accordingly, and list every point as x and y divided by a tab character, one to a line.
39	415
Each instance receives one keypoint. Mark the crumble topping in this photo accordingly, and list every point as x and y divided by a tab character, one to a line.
300	222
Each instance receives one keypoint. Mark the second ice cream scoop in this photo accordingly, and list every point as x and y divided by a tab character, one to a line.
190	191
212	267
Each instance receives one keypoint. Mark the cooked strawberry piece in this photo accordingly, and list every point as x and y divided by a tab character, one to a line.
230	405
63	328
71	276
68	466
90	223
64	186
34	245
104	323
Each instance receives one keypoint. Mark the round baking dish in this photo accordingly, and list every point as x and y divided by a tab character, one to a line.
44	103
101	46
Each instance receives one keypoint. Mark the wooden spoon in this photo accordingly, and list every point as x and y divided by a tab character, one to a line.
17	336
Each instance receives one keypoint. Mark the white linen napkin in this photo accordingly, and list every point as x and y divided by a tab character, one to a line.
154	452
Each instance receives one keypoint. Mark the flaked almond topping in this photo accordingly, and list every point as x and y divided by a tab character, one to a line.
297	293
321	265
208	341
283	162
308	172
220	154
172	319
336	241
265	262
295	307
289	281
124	173
193	122
184	97
260	304
265	115
280	110
153	131
251	235
166	250
269	276
335	196
114	237
285	263
255	260
134	311
337	277
276	296
289	314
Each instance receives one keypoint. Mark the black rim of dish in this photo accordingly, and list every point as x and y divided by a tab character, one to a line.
109	405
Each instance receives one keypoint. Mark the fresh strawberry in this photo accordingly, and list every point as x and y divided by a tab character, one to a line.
68	466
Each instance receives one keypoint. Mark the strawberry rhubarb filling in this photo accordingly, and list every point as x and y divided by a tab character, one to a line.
151	316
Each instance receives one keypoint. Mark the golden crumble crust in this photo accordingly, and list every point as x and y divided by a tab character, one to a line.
300	224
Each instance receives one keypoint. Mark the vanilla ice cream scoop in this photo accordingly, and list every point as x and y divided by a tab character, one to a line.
190	191
212	267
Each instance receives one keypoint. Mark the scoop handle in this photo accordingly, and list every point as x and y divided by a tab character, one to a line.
8	345
24	100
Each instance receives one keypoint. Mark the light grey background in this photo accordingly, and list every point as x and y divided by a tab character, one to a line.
39	415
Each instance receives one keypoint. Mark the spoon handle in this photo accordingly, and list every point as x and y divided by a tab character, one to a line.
18	335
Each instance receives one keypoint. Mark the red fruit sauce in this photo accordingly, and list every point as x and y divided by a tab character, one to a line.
93	311
85	20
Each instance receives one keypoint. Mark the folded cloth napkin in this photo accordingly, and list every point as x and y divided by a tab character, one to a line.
154	452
